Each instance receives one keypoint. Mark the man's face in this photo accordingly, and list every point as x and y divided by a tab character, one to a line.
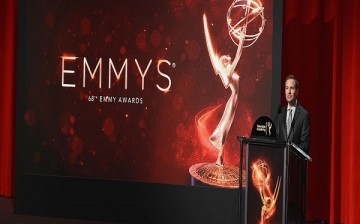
291	91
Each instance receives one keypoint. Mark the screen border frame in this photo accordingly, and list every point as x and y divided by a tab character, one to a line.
117	200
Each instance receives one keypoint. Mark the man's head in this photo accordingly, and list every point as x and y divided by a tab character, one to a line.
291	89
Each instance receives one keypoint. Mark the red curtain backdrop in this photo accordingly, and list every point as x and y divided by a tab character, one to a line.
320	47
7	95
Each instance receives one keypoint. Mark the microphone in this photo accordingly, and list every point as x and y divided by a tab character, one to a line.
278	112
276	117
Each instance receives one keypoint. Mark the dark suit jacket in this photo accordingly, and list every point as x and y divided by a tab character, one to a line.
300	133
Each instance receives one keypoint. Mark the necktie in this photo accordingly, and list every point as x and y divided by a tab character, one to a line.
288	122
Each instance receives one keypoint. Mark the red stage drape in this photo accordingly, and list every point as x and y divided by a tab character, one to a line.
7	96
319	47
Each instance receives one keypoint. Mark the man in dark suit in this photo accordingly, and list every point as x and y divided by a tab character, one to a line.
293	125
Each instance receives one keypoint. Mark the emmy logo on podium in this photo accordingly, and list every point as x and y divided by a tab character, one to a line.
261	179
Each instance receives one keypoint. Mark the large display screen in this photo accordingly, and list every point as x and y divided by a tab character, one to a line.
142	90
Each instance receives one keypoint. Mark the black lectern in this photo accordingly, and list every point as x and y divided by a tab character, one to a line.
275	182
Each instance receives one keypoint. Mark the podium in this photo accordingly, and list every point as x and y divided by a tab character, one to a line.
274	189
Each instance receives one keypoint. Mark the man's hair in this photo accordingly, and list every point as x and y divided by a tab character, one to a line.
293	77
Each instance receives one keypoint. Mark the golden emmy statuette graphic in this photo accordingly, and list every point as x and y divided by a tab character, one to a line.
240	15
261	179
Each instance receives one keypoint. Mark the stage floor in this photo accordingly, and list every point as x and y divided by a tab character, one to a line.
7	216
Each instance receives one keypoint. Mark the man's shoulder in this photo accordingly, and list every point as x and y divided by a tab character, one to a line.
302	109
